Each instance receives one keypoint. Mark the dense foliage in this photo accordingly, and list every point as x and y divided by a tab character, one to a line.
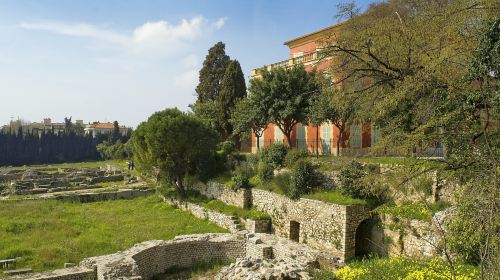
25	149
117	150
175	144
302	179
274	155
426	72
221	86
282	96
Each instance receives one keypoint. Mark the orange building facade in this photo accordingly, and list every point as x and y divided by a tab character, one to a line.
358	137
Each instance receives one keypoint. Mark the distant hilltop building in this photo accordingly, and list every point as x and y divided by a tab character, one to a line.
96	128
47	126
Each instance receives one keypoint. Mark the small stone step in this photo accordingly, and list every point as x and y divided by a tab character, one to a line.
18	271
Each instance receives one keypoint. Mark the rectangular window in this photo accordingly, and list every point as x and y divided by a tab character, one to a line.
326	139
301	137
355	136
375	135
278	135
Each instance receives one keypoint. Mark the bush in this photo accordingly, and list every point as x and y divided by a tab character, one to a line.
252	160
241	176
265	171
274	154
227	147
282	181
294	156
350	178
302	179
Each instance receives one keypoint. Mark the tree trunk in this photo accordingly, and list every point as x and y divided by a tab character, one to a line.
338	144
317	141
258	147
289	139
180	187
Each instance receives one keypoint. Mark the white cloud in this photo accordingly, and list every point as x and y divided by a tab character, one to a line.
187	80
76	30
190	61
150	37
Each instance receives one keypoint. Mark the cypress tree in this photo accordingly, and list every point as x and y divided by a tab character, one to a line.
212	73
232	90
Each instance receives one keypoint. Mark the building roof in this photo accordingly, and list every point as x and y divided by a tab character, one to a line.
312	35
106	125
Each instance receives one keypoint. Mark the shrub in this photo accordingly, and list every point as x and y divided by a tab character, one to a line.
350	178
294	156
265	171
252	160
301	180
282	181
241	176
274	154
227	147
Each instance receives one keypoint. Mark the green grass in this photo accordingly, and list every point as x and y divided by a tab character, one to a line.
334	163
218	206
46	234
335	197
221	207
404	268
417	211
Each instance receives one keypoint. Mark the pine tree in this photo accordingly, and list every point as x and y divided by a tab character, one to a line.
212	73
232	90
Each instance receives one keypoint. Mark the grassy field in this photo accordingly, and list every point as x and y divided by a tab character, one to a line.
46	234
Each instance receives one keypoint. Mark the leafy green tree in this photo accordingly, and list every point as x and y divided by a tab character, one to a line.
175	144
406	61
115	134
473	121
283	96
232	90
247	117
334	106
212	73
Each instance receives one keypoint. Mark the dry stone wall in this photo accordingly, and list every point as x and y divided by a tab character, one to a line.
324	226
240	198
231	223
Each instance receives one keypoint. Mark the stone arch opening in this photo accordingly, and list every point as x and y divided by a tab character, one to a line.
294	231
369	239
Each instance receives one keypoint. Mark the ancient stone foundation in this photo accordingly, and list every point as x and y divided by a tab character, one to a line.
150	258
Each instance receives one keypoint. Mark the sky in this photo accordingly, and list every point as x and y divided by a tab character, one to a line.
106	60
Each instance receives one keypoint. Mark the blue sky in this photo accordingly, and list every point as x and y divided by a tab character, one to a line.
123	60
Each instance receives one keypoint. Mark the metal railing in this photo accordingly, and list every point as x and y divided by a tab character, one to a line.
329	147
308	57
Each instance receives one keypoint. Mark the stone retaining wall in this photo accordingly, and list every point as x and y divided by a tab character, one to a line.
231	223
324	226
198	211
240	198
